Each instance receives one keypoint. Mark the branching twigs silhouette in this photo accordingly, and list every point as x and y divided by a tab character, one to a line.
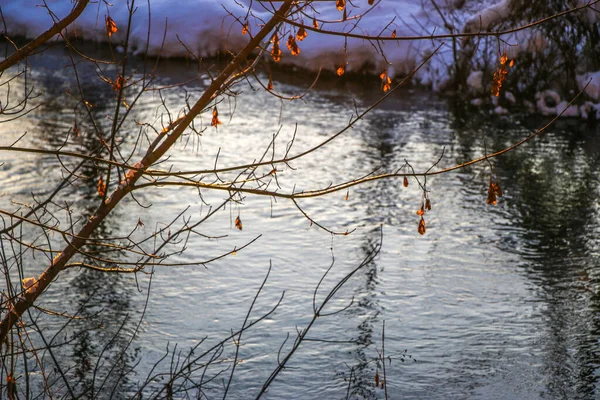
158	148
319	311
83	245
23	52
477	34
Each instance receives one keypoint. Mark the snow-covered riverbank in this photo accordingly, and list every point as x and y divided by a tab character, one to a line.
206	27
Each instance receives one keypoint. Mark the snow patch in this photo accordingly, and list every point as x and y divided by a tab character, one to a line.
593	89
475	82
547	101
483	20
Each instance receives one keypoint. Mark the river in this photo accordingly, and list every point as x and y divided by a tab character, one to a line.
493	302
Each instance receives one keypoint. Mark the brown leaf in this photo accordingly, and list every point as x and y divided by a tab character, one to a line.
340	70
500	75
347	195
340	4
292	45
111	26
315	23
101	187
421	228
245	29
428	205
377	378
270	84
491	197
118	83
301	34
238	223
493	191
421	211
394	34
275	50
386	81
405	182
497	190
215	118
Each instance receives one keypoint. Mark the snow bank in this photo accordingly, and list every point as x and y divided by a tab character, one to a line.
206	27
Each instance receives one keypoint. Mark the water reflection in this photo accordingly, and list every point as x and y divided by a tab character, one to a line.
98	356
552	201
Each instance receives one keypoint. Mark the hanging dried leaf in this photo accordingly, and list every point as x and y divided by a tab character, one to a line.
371	2
238	223
500	75
292	46
377	378
140	223
111	26
245	29
494	191
301	34
421	210
340	4
386	81
421	228
75	128
405	182
118	83
275	50
394	34
315	23
497	190
215	118
270	84
340	70
512	63
101	187
491	197
387	84
347	195
428	205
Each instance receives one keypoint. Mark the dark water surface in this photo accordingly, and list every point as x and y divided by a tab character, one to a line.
492	303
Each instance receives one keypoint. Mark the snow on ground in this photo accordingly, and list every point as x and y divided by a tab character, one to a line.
205	27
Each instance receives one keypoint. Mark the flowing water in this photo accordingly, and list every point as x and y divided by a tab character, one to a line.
492	302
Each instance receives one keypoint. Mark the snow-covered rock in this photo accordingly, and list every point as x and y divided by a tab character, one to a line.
593	88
